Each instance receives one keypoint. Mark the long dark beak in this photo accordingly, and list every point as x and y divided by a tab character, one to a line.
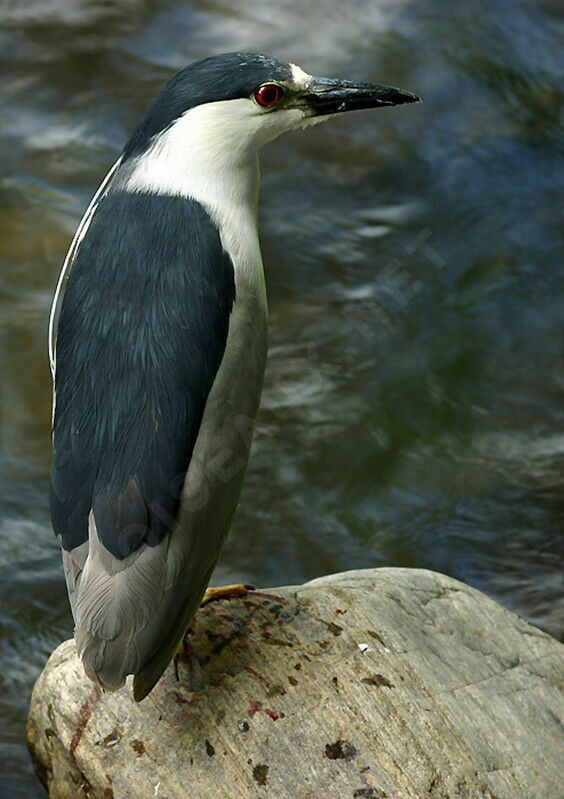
332	96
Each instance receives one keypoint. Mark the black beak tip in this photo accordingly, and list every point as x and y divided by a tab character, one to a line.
401	97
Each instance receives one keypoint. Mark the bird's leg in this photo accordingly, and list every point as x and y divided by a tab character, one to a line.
225	592
183	652
212	595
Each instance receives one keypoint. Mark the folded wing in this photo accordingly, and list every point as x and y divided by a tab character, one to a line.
142	330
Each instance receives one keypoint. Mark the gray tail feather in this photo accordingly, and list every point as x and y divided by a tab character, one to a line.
132	616
116	602
168	641
106	662
109	661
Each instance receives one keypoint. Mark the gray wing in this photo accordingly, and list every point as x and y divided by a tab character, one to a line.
141	334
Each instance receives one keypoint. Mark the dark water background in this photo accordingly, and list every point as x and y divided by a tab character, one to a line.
413	410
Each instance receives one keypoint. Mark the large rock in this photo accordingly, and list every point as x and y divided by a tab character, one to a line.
378	683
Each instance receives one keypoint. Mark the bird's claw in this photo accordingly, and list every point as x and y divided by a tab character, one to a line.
225	592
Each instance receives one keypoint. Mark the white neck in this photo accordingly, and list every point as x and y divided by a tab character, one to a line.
210	154
202	155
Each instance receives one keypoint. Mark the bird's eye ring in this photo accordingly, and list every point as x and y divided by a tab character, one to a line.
268	94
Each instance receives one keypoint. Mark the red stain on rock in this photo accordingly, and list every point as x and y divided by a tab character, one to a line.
272	597
84	717
340	612
264	632
256	707
257	675
186	704
181	700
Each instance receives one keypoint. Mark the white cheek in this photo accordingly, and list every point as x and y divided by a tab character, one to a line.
196	151
275	123
208	143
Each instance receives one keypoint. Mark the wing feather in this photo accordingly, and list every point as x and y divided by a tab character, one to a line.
142	331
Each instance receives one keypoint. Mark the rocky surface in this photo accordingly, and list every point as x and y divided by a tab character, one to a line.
377	683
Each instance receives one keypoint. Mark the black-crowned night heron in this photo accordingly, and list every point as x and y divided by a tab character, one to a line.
160	314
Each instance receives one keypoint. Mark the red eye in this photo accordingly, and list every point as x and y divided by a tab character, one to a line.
268	95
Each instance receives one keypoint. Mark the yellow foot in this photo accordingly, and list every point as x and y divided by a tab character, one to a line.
225	592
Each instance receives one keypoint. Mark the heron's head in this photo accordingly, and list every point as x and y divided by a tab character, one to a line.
216	113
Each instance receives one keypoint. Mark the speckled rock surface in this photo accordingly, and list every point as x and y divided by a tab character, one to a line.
377	683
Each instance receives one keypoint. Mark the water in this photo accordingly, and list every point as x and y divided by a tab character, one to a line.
412	414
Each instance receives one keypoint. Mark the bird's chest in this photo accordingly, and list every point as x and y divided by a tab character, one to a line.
219	460
245	353
226	430
240	376
238	232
